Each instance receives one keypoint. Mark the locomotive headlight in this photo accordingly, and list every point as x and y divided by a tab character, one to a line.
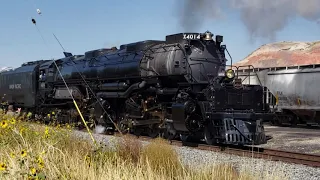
230	74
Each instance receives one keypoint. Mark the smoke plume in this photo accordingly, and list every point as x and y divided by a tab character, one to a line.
262	18
194	12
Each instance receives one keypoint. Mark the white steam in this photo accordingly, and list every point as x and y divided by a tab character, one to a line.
262	18
99	129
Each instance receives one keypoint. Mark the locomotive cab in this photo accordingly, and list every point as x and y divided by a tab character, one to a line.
46	74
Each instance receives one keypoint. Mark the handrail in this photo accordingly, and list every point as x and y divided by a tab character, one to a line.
249	68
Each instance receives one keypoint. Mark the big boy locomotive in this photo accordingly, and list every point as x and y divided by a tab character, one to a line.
177	87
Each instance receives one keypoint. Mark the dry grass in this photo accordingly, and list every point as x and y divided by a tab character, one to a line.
30	151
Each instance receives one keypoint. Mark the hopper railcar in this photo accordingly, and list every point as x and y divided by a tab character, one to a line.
291	92
178	87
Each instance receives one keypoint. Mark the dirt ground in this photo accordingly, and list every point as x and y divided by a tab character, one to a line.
293	139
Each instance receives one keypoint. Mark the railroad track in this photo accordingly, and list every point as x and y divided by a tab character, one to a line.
247	151
301	126
268	154
253	152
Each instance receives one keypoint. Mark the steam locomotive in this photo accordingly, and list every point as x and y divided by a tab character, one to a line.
176	88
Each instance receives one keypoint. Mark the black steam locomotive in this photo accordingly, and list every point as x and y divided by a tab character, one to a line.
175	88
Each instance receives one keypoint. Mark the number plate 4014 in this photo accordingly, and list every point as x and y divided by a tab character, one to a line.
191	36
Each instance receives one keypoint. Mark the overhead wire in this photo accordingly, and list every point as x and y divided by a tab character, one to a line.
105	112
65	83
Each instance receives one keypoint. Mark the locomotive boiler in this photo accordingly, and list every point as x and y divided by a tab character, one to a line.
178	87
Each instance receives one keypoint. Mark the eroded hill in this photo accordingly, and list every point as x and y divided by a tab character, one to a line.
283	54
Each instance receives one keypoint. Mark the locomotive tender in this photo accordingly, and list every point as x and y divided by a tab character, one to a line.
177	87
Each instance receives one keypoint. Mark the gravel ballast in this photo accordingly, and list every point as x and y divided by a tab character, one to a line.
293	139
200	158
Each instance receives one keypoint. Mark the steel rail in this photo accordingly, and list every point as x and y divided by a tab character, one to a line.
246	151
263	153
253	152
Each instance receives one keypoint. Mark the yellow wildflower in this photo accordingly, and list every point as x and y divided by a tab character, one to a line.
23	153
13	121
21	130
69	128
53	113
49	115
4	124
46	131
40	162
29	114
33	171
12	155
3	167
87	158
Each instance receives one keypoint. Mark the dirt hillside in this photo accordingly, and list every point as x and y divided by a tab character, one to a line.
283	54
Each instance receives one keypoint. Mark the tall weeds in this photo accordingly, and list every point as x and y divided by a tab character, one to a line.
34	151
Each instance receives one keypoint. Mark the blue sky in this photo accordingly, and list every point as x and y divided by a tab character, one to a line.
86	25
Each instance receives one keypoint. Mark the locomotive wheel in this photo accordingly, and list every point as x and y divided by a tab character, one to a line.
170	133
123	126
184	138
137	131
208	137
193	122
189	138
153	131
